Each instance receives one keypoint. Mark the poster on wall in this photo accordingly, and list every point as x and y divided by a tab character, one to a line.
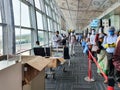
106	24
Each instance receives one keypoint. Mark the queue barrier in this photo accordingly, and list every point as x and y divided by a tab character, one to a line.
89	78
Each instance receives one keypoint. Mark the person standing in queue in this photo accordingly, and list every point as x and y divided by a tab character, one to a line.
110	43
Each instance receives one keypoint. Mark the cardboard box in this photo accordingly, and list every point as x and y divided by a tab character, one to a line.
34	72
55	61
11	77
28	74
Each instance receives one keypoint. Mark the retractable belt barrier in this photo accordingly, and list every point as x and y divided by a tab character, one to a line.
89	77
98	66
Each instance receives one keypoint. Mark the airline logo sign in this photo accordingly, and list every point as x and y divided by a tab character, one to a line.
94	23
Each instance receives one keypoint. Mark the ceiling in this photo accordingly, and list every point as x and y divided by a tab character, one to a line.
79	13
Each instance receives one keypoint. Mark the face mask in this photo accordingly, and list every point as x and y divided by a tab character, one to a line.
100	31
111	33
93	33
72	34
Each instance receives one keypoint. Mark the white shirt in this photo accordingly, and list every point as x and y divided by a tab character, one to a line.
56	41
92	39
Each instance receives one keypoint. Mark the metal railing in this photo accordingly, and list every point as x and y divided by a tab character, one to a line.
30	51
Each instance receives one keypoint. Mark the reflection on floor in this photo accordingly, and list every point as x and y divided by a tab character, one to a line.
73	79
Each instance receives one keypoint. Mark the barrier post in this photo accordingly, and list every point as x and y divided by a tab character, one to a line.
110	88
89	77
111	84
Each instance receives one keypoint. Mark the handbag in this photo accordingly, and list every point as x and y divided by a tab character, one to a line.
116	64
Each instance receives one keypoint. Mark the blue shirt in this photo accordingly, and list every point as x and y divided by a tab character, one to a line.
79	37
83	43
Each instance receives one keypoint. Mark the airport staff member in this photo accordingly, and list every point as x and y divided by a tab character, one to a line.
57	39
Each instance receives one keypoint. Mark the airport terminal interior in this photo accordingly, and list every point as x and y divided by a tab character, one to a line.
59	44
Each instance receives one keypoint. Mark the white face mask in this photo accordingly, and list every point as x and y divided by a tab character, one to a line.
93	33
72	33
100	31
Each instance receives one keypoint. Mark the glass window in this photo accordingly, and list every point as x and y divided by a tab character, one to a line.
1	41
37	4
41	37
39	20
51	29
45	21
53	15
57	18
46	37
47	1
49	11
42	5
23	41
46	8
51	4
0	17
25	19
50	37
54	24
49	24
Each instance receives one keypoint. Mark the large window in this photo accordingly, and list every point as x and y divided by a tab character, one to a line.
51	4
1	41
37	4
48	20
50	37
47	1
39	20
46	8
41	37
50	27
49	11
0	17
42	5
25	19
23	40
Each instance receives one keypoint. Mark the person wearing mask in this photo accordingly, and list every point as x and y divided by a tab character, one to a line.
57	39
109	43
92	37
101	55
80	38
92	41
63	40
72	44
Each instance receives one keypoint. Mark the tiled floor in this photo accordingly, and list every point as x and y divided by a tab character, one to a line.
73	79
